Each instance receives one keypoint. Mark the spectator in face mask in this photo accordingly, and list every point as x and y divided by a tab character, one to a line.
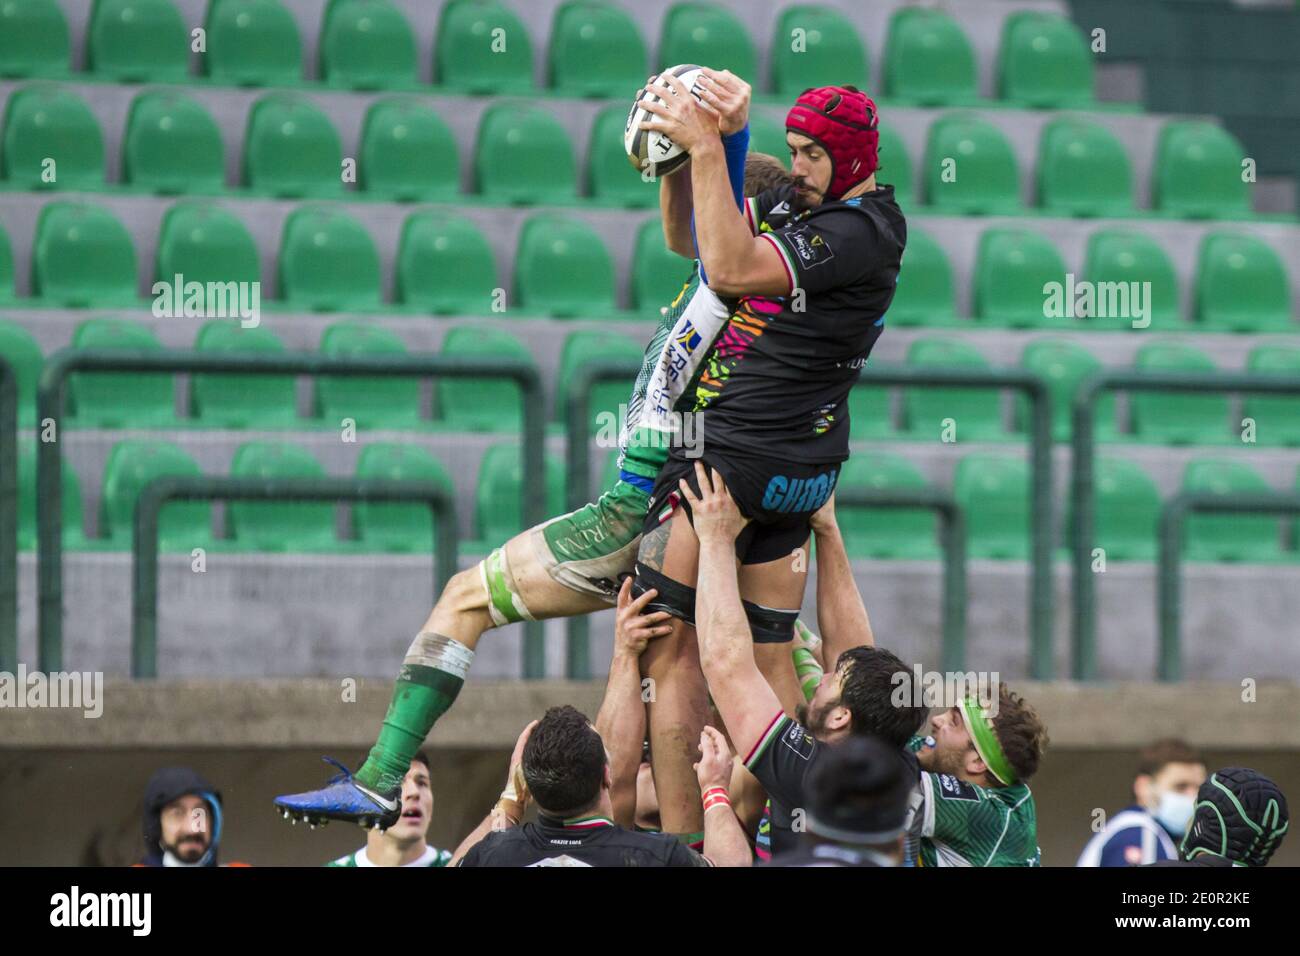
1169	774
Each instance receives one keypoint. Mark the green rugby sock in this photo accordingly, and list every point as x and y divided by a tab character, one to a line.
431	677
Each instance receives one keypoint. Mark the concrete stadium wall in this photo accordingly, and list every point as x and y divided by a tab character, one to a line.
71	788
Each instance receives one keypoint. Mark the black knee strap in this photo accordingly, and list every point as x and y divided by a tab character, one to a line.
770	625
674	597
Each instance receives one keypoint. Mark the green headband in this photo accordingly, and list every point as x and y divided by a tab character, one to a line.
986	743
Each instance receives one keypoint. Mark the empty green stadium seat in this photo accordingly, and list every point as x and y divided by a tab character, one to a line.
1242	285
482	47
708	35
871	413
8	292
524	156
658	274
1198	172
328	262
603	401
611	178
33	39
481	404
445	265
1177	418
1044	62
1228	537
82	257
397	527
119	399
993	491
137	41
407	153
924	295
1117	257
74	535
51	141
279	525
928	59
816	46
367	45
252	43
1012	268
895	166
498	511
1083	170
887	533
247	400
132	465
596	50
1063	366
19	349
203	242
970	168
291	149
975	412
389	401
766	135
1127	515
563	268
1276	417
172	145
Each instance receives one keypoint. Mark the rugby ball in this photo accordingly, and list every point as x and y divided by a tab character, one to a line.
650	151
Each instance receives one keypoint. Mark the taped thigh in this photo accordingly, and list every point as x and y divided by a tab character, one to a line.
770	625
505	603
674	597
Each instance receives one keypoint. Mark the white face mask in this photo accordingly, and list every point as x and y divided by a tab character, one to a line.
1174	811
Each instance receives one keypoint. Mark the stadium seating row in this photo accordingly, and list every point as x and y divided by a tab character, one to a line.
83	256
523	155
106	400
595	48
992	489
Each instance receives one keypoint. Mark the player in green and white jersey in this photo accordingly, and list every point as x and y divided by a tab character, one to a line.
403	844
973	806
567	566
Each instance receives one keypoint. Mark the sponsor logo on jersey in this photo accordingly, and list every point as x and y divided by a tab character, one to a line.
800	741
953	788
811	248
689	339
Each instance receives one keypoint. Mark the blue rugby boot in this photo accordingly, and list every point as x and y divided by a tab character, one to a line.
343	798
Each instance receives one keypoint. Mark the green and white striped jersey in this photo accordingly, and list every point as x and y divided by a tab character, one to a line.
671	366
431	856
958	823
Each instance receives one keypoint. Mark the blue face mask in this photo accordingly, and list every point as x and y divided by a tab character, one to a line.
1174	811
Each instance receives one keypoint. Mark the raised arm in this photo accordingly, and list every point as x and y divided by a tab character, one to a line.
621	720
724	838
736	261
510	806
841	614
675	208
747	703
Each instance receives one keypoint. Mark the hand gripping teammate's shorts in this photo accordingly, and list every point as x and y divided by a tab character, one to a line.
778	496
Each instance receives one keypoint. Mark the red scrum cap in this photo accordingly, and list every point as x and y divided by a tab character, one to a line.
842	120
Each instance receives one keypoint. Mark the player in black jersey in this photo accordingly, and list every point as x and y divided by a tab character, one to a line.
560	763
858	798
812	268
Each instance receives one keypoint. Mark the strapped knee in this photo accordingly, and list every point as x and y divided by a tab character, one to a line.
505	603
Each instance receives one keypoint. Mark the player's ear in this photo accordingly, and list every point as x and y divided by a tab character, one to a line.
975	764
606	781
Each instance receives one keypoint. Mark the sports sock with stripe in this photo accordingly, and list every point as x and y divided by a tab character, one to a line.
432	675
